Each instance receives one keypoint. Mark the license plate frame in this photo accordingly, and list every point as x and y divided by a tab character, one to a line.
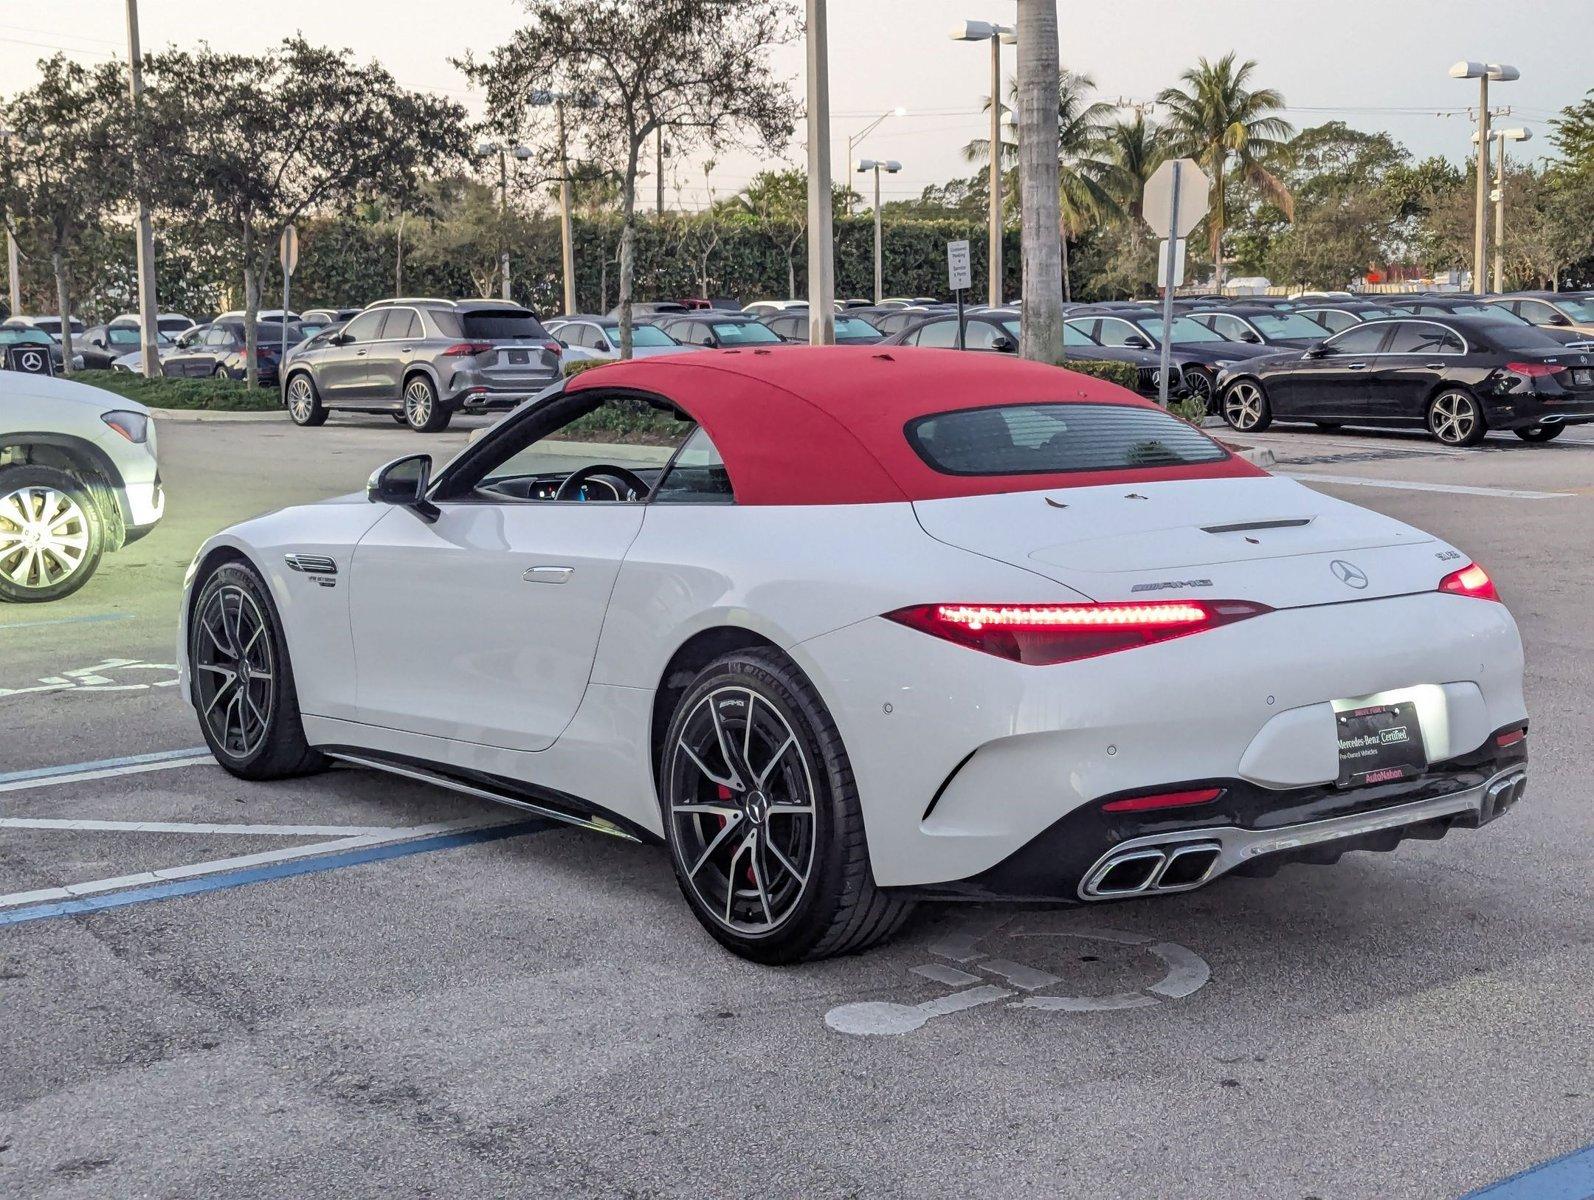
1583	376
1380	743
516	358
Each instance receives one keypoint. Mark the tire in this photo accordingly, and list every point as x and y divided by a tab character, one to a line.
798	887
52	534
303	401
400	418
254	731
1455	418
422	412
1202	386
1246	407
221	373
1540	433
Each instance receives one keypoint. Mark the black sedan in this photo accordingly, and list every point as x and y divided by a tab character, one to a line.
1198	352
850	330
1339	315
1457	376
218	350
1260	325
717	330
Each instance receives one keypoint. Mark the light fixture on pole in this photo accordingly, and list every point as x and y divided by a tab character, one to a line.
1502	136
858	137
990	31
1483	73
521	153
890	167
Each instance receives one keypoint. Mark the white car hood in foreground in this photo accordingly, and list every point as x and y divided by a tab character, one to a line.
1268	540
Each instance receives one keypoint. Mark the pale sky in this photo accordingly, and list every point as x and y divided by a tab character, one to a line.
1376	64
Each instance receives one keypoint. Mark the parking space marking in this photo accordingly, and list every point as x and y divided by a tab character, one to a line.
1570	1177
95	678
107	768
1410	485
91	619
238	872
195	827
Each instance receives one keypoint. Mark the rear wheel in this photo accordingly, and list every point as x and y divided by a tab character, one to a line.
763	819
422	412
243	683
1456	419
52	534
1540	433
304	402
1246	408
400	418
1202	387
221	373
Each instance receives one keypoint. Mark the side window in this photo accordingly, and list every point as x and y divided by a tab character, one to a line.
1113	332
1364	339
1332	319
1419	337
697	476
1535	311
401	325
980	335
938	333
217	335
1227	327
594	337
366	326
1074	335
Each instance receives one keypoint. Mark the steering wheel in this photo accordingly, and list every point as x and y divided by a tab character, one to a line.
635	486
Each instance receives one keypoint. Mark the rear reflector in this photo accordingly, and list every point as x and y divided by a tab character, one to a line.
1534	370
1510	738
1162	800
1043	634
1472	580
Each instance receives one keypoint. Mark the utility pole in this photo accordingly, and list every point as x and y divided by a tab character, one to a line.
147	311
1483	73
821	256
995	251
503	209
1502	136
567	249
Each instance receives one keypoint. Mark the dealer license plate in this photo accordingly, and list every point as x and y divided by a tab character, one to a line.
1380	743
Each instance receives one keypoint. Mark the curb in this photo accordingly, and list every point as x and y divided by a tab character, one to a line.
1257	456
205	415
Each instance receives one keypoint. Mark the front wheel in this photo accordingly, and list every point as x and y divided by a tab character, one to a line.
1202	387
52	534
1246	407
221	373
243	688
304	402
1540	433
422	412
1455	419
763	819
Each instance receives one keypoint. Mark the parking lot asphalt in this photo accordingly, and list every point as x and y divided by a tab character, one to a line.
353	985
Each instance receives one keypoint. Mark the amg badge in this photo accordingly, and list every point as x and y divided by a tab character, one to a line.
1171	585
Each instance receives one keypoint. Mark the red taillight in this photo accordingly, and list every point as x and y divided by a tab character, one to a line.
1472	580
1534	370
1510	738
1162	800
552	347
1042	634
467	349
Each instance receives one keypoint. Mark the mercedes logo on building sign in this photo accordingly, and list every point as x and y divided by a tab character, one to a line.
1348	573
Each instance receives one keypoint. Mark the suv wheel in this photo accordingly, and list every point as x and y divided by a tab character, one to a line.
422	412
51	534
304	402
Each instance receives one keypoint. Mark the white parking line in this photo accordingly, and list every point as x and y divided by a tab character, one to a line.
1407	485
83	772
193	827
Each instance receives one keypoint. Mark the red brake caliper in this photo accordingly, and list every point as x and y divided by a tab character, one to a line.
725	794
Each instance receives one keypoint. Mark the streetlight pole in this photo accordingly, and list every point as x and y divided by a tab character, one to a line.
13	265
856	138
821	234
981	31
890	167
1502	136
147	312
1483	73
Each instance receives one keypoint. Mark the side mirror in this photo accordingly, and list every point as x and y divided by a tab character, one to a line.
1558	319
97	342
563	345
1003	345
341	339
1318	351
711	342
1247	335
404	481
1135	342
604	346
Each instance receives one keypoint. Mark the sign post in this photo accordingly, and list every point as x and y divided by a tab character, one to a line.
288	255
959	277
1174	201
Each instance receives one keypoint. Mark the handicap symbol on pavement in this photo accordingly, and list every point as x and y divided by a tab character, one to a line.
108	675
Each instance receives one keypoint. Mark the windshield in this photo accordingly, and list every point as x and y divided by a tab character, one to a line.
1288	325
1578	310
1073	335
17	337
1185	331
743	333
1489	312
641	335
855	327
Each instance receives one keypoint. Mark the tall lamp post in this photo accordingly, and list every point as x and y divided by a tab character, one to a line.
858	137
1483	73
1502	136
149	329
890	167
13	266
821	230
989	31
521	153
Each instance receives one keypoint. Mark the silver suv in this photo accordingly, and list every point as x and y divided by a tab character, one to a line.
423	360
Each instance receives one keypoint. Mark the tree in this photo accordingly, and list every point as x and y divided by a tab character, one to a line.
777	201
63	169
269	139
1217	117
1040	84
694	70
1573	134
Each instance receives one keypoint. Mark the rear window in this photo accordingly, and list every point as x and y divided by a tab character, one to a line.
642	335
1522	337
491	324
1046	439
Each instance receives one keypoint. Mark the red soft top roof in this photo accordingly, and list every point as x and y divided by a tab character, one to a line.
824	424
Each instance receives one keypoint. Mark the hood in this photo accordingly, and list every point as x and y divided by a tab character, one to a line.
15	384
1269	540
1211	352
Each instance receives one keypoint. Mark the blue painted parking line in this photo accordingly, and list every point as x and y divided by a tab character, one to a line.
283	870
104	764
1570	1177
92	619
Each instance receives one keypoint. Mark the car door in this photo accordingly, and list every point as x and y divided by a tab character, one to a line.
387	358
341	368
481	626
1332	382
1417	357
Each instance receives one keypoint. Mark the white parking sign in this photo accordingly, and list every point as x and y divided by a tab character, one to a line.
959	273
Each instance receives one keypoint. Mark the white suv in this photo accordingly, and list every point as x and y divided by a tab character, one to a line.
78	478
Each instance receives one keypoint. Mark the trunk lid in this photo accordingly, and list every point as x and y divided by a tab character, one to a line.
1269	540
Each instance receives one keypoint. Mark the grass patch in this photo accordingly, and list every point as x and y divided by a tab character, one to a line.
217	395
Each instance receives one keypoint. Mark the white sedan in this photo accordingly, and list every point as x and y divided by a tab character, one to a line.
871	626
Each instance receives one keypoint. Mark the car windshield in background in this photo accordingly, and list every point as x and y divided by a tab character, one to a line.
1044	439
122	335
855	327
504	324
743	333
1578	310
1523	337
1185	331
641	335
1289	325
20	337
1489	312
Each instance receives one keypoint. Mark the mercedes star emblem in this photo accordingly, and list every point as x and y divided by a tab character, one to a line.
1348	573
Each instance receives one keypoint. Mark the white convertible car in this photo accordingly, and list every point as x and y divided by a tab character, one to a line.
884	624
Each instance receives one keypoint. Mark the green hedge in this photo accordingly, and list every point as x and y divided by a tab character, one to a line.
1122	373
219	395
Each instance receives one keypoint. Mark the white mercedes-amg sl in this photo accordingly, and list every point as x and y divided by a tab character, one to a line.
878	624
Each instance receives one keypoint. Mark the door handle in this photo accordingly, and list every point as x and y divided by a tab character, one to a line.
548	574
1356	366
406	349
360	353
1437	366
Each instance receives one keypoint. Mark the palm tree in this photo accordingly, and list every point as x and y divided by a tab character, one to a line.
1216	117
1133	148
